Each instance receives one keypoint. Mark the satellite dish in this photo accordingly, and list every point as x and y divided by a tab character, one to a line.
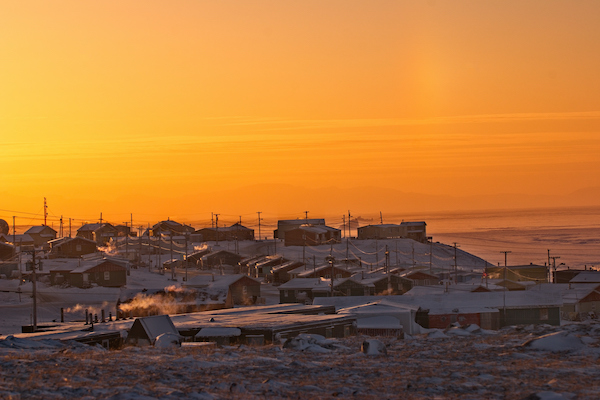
4	227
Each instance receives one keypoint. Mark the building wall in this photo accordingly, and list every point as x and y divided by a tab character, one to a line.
74	248
245	291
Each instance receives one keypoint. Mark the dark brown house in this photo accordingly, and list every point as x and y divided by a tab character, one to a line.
171	228
103	273
325	271
244	290
308	235
221	257
101	233
230	233
72	247
6	251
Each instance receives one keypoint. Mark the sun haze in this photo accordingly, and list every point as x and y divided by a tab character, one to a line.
181	108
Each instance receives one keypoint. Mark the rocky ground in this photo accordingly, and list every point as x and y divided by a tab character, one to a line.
460	363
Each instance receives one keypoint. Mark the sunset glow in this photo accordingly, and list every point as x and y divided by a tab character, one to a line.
183	108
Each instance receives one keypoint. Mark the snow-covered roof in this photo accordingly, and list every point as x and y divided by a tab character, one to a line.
571	294
305	283
587	277
157	325
39	229
215	281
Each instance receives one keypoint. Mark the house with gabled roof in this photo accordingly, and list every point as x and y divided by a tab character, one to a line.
171	228
288	224
101	233
234	232
312	235
41	234
146	330
72	247
102	273
244	290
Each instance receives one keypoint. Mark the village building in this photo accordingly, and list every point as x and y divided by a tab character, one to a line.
231	233
7	251
195	259
286	225
23	241
517	273
171	228
41	235
244	290
312	235
580	301
586	277
219	258
102	273
145	331
326	271
405	230
72	247
420	277
124	230
101	233
280	274
303	290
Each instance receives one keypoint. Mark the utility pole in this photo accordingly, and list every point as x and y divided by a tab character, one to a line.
100	217
350	224
306	215
45	211
186	256
14	244
69	227
430	254
455	263
212	216
34	289
304	249
344	224
61	227
332	273
217	229
504	291
259	219
380	218
172	263
553	272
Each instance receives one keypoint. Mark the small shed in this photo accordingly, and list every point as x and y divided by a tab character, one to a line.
144	331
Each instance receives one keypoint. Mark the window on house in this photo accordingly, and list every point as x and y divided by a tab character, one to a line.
543	314
78	247
245	289
285	293
106	275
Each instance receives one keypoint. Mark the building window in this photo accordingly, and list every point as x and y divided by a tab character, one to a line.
106	275
285	293
78	247
543	314
245	289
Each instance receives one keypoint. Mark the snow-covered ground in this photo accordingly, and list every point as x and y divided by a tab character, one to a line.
540	362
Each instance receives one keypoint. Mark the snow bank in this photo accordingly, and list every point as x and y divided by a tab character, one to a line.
556	342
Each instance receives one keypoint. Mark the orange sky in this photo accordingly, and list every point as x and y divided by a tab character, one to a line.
182	108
